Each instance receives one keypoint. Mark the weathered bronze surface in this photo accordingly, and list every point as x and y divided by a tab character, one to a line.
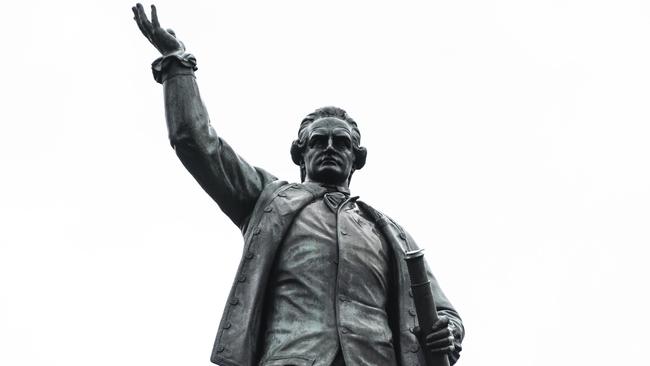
322	280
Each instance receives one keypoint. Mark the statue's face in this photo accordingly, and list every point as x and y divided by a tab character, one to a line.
329	156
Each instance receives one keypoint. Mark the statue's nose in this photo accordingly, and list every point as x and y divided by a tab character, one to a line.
330	144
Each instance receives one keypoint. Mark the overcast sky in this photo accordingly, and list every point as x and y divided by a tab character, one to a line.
511	138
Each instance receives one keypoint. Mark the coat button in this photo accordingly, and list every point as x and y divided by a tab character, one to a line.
412	312
220	348
234	301
250	255
282	194
414	348
268	209
402	236
345	330
228	325
242	278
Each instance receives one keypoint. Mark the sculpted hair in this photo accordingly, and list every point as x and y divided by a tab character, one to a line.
298	146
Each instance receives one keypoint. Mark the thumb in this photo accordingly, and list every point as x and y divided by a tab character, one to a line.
417	331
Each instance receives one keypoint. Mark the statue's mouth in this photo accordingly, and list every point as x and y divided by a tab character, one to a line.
329	160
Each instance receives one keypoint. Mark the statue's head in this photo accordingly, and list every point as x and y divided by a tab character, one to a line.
328	147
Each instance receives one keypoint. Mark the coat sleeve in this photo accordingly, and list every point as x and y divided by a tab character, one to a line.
445	308
231	182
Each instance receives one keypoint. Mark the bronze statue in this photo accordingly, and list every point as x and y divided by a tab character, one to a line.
322	280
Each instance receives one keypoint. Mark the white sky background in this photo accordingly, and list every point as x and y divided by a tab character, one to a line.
511	138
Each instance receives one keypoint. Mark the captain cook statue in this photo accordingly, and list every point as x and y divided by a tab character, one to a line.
320	282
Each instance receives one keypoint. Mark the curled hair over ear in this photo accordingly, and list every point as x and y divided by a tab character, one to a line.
296	152
296	155
360	154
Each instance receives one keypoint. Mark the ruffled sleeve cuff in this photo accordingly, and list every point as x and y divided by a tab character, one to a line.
458	338
161	66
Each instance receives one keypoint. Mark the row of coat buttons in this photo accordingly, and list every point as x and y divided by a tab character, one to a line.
242	277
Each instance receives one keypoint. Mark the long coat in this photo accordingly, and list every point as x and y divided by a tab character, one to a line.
238	340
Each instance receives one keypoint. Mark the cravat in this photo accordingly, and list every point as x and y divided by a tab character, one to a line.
334	200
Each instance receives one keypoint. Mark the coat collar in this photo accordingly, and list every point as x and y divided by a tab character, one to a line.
323	188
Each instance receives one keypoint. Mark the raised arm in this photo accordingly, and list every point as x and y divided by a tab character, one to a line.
225	176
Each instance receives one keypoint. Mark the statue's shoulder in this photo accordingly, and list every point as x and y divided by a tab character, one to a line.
268	192
380	218
279	197
391	230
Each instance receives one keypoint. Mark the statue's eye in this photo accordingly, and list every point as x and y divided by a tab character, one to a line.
318	141
342	142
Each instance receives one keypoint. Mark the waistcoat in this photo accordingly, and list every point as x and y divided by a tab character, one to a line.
329	283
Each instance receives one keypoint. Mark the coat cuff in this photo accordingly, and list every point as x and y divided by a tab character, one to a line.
458	337
161	66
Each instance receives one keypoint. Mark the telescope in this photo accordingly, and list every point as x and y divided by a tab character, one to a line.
425	307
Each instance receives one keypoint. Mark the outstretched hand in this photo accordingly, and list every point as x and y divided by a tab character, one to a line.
164	40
